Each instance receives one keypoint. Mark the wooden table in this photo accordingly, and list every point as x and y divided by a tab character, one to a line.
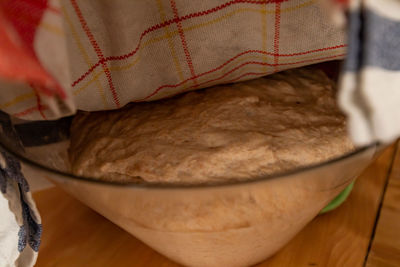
364	231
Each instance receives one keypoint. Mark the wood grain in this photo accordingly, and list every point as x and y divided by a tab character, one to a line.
74	235
341	237
385	249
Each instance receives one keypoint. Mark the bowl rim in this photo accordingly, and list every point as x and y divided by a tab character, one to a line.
147	185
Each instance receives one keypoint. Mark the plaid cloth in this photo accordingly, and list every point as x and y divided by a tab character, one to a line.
59	56
370	84
95	55
20	224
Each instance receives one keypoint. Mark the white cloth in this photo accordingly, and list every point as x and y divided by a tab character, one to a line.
20	227
8	235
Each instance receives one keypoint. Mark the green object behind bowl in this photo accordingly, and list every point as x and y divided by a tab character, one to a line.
339	199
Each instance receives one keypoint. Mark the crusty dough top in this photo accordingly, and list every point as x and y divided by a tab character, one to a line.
229	132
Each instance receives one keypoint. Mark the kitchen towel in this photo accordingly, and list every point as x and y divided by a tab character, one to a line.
370	84
20	226
97	55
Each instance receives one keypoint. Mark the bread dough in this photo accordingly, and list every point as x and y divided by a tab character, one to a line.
230	132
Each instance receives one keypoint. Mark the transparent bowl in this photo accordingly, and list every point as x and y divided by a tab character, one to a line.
230	224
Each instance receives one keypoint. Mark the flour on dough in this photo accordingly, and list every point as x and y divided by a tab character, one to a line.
228	132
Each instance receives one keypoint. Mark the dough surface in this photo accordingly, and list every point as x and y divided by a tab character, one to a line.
229	132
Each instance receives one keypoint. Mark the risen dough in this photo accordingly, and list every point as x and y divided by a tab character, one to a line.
229	132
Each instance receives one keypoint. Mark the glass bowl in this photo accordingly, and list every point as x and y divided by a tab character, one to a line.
229	224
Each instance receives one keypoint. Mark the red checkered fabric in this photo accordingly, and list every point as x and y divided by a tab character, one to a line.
96	55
